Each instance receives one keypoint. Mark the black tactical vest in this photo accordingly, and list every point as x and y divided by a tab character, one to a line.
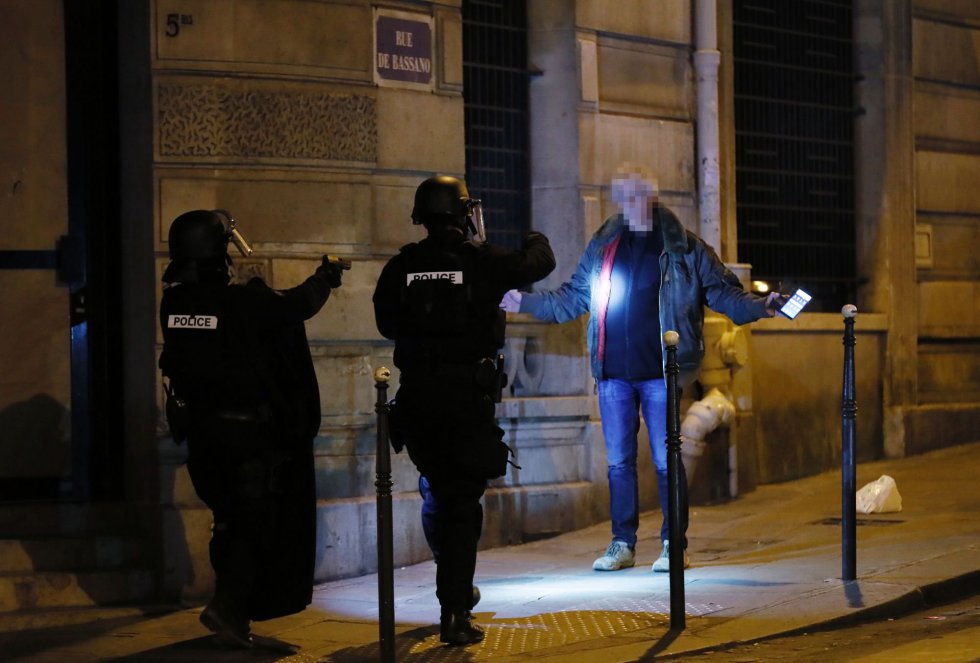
443	317
209	351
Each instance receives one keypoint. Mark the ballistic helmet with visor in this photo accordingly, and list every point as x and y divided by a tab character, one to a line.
198	235
440	198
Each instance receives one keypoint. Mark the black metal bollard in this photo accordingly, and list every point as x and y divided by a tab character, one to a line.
848	467
386	576
674	487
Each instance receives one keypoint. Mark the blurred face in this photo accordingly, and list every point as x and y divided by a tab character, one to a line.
635	196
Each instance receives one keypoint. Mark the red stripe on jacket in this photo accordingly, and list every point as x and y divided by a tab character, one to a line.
605	290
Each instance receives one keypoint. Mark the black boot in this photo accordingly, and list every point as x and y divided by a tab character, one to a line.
230	631
457	628
475	598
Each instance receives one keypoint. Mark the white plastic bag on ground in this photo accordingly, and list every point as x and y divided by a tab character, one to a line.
879	496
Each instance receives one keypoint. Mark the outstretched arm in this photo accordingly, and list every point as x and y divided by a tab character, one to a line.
723	291
569	300
534	261
274	308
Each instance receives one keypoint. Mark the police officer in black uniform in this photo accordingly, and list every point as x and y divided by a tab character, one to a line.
243	391
438	299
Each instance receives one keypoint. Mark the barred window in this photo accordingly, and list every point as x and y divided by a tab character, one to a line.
794	142
495	96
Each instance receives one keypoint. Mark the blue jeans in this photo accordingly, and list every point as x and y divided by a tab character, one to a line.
620	403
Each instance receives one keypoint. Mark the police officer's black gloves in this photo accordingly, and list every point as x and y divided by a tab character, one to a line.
330	271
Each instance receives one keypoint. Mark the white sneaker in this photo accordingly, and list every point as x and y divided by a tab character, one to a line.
662	565
617	556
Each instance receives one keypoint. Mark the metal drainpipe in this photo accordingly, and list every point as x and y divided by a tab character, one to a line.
707	59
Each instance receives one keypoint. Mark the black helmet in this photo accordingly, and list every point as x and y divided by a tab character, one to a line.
441	199
198	235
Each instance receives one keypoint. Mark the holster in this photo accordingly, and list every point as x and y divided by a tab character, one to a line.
177	413
490	376
397	431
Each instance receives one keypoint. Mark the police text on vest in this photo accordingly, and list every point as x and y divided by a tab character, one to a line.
455	278
192	322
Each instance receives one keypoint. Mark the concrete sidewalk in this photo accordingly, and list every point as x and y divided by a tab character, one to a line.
767	563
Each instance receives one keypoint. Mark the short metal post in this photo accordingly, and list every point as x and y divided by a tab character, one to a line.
848	467
386	578
674	487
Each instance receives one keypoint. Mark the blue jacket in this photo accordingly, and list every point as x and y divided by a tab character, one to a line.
691	276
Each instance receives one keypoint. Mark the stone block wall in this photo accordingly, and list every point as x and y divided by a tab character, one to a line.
946	124
920	211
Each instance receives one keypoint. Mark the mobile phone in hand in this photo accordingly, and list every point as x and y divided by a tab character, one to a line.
794	304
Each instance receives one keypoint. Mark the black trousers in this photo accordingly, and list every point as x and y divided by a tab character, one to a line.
263	500
452	519
447	427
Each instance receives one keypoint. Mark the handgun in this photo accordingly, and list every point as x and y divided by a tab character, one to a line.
337	261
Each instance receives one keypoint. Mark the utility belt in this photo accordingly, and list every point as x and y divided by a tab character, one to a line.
181	417
246	416
486	372
483	453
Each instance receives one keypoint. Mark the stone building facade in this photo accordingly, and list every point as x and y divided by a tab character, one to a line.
286	114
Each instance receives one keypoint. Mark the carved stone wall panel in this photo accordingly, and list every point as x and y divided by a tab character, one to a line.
666	147
949	309
953	247
278	212
950	373
393	227
957	62
284	37
420	131
346	386
348	315
669	20
549	464
947	113
947	182
960	9
644	79
450	35
263	122
542	359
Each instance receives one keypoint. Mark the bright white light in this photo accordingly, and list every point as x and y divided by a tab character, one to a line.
604	286
760	286
617	288
523	597
517	596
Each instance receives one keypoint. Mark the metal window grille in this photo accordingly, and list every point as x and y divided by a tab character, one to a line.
495	96
794	142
